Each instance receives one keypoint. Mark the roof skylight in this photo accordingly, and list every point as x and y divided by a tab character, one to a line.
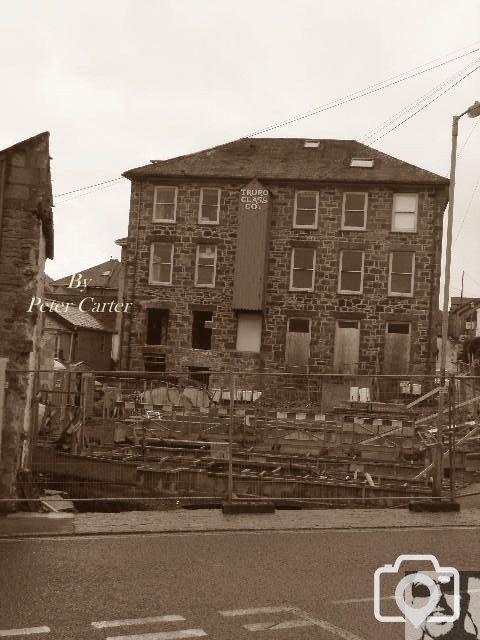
365	163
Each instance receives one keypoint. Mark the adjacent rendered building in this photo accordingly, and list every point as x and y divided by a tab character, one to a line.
281	254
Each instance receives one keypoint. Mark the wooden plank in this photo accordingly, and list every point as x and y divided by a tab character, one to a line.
424	397
457	406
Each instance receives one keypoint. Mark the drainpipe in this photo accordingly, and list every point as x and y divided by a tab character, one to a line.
134	286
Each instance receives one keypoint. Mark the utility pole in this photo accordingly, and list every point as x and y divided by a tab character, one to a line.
473	111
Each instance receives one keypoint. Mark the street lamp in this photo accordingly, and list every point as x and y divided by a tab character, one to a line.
473	111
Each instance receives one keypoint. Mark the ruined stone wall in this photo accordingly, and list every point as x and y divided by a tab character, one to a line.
374	308
24	226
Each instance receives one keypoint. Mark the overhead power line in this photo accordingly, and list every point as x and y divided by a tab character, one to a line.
467	210
405	110
466	75
90	186
375	88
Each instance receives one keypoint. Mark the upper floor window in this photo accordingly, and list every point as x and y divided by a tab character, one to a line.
350	278
404	215
354	211
165	204
302	269
209	210
401	273
205	265
305	215
161	263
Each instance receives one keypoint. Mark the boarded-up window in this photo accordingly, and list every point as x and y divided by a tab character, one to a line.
165	204
157	325
161	263
306	209
202	329
354	211
397	348
302	269
249	332
297	347
401	276
351	272
347	346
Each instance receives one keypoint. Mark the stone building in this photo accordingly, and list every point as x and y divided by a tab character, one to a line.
94	288
26	240
283	255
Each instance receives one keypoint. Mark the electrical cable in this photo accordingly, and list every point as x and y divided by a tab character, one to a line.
426	105
374	88
467	138
386	123
379	86
467	210
90	186
112	183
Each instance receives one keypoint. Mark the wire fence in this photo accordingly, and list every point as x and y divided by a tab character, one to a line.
156	440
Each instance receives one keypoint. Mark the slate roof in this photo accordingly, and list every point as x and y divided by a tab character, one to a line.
289	159
79	319
95	274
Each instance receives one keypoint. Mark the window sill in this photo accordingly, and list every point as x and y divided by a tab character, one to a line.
304	227
350	293
163	221
204	286
209	222
293	290
353	229
400	295
160	284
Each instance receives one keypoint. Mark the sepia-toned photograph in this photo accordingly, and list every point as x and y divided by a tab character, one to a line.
240	320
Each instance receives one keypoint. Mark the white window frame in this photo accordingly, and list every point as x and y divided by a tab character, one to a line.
398	294
156	201
219	195
150	270
295	208
340	265
292	261
365	209
413	213
197	257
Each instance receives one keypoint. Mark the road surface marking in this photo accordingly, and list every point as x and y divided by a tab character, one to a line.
105	624
7	633
164	635
275	626
253	612
354	600
303	619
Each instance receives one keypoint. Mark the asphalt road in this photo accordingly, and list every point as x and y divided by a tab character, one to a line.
228	586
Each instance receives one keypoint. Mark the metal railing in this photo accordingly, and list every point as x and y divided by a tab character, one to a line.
155	439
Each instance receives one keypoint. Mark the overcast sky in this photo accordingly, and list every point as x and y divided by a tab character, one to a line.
120	82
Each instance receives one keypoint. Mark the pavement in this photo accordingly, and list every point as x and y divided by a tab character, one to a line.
198	520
